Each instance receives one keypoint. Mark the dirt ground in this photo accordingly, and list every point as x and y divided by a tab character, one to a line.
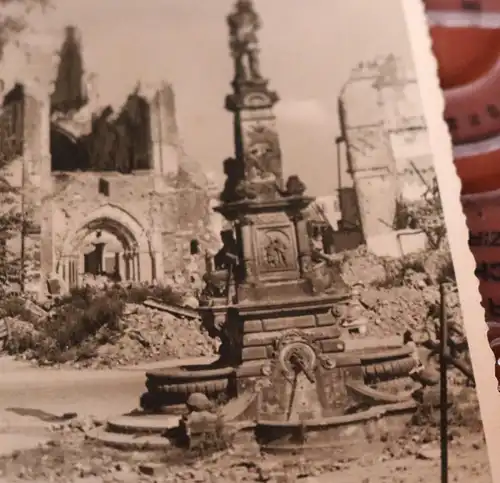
69	458
66	455
63	454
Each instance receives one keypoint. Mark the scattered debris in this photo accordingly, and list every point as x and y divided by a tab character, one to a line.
429	453
70	458
145	334
185	312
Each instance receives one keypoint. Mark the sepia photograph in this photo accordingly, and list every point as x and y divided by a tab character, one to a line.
223	254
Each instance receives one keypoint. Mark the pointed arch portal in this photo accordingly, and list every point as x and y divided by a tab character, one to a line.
108	242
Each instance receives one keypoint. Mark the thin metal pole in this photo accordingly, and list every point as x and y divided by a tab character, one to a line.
443	406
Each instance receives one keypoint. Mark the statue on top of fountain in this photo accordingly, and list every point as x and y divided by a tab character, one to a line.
244	23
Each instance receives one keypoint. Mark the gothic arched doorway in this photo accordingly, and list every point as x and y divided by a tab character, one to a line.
115	247
108	255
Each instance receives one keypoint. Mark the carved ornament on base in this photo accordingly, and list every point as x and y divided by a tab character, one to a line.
296	346
276	250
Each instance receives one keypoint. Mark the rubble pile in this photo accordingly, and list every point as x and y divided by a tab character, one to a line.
149	335
392	296
144	335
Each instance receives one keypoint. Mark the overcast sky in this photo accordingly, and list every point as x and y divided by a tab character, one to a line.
308	50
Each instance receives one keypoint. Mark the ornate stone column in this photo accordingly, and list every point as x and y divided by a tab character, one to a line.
127	265
257	147
303	241
245	226
121	265
133	265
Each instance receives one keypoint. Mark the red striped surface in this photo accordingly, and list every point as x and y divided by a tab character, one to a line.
466	43
478	53
463	5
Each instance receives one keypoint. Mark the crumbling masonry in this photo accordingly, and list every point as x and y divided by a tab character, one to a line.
104	192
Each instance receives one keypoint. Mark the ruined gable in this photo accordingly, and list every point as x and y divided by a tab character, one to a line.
122	172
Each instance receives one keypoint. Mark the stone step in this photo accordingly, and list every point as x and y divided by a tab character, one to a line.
142	424
131	442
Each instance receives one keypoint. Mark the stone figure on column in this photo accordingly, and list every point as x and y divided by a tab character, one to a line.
244	24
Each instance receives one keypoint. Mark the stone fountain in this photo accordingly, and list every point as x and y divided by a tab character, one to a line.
287	371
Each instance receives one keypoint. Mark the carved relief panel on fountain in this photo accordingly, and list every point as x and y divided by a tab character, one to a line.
276	252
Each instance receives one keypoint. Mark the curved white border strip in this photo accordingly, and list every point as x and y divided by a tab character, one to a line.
480	147
485	20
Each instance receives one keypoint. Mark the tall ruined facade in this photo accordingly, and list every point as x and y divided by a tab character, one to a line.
115	195
388	151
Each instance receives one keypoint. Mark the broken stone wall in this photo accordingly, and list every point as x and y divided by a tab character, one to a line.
77	196
24	152
404	120
170	212
370	158
414	162
193	221
386	137
176	215
165	200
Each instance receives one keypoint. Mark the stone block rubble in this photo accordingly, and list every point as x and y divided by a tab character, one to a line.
146	335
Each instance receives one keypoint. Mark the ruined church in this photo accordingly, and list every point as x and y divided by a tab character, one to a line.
103	192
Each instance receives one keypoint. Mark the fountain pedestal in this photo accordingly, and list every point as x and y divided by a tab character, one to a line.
286	367
265	280
276	286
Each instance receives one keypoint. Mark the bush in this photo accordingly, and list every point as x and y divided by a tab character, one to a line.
446	271
71	329
404	217
15	306
83	317
79	322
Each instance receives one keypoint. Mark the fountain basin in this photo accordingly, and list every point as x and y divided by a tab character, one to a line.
342	434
